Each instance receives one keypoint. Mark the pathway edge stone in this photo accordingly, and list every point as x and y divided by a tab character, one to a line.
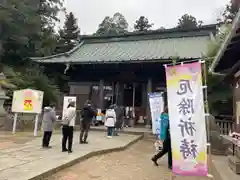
85	157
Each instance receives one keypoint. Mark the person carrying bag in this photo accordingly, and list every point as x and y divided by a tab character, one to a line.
68	124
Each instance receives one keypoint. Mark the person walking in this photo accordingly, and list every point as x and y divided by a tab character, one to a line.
87	114
110	120
68	124
49	118
165	137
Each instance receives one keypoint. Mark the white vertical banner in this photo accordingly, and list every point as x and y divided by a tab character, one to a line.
66	101
187	119
156	107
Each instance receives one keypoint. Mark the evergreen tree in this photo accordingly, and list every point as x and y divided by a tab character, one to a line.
188	21
142	24
69	35
26	30
112	26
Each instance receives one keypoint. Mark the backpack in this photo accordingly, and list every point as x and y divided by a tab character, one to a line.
88	112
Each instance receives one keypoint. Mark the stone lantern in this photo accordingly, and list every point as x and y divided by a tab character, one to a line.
3	97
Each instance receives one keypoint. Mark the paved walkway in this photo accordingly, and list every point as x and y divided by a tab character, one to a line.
131	164
129	130
222	167
29	160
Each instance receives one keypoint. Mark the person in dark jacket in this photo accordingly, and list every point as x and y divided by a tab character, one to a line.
119	119
49	118
87	114
166	146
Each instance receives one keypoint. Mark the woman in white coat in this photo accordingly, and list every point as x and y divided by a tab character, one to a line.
68	123
110	120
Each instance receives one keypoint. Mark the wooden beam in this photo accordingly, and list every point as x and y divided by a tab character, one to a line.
236	3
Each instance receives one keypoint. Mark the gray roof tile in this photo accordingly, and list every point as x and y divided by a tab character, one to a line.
138	46
87	52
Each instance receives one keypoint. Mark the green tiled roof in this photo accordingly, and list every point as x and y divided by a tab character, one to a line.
160	46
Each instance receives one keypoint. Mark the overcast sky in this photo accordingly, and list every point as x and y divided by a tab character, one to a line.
160	12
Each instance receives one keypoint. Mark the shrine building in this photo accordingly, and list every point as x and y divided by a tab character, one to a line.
124	69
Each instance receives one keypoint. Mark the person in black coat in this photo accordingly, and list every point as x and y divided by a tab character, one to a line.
87	114
119	115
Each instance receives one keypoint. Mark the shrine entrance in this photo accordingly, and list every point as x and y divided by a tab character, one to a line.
132	95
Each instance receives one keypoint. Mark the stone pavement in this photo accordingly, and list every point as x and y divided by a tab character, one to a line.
129	130
30	161
223	169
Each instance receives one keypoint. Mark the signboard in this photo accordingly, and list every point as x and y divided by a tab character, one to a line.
187	119
27	101
66	101
156	107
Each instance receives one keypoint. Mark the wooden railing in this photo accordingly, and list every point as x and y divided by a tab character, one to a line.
225	126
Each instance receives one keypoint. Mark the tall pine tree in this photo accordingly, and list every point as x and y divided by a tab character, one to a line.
142	24
26	30
69	35
112	26
188	21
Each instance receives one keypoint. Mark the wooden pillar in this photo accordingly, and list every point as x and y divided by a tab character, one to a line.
121	94
144	97
236	3
113	92
133	103
101	94
117	93
236	101
149	90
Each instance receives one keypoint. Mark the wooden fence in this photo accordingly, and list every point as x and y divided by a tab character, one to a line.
225	126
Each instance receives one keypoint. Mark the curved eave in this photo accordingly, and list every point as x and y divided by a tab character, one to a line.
66	54
160	60
224	46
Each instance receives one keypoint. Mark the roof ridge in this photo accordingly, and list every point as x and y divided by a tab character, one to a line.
153	32
156	34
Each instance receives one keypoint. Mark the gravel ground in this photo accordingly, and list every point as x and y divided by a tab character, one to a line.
131	164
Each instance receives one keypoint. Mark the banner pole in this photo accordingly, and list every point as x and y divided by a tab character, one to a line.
206	105
36	125
14	123
209	159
